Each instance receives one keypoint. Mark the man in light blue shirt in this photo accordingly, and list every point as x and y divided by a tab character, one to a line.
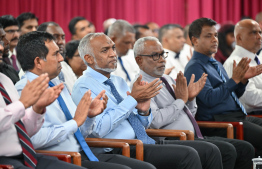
98	52
57	133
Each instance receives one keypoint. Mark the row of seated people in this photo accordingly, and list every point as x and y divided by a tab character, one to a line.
121	109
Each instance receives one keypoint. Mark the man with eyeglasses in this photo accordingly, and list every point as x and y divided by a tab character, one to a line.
175	106
5	68
128	112
11	29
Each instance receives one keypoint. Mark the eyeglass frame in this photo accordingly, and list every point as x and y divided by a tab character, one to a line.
12	31
158	54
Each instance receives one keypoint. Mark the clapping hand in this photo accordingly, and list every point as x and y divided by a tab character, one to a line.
195	88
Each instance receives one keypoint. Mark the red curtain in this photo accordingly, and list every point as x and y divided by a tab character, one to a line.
134	11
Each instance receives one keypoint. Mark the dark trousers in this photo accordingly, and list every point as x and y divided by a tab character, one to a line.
235	153
170	155
252	129
44	162
114	161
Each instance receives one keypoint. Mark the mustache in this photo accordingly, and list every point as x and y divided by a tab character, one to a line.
14	39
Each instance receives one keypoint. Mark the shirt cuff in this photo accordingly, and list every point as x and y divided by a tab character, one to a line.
231	84
191	104
17	109
180	104
129	103
70	126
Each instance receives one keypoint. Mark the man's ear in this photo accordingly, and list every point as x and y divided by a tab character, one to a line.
113	38
139	60
194	41
38	63
89	59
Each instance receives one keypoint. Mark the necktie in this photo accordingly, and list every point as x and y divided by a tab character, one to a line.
27	146
133	119
121	62
177	55
215	64
186	110
257	60
13	57
78	134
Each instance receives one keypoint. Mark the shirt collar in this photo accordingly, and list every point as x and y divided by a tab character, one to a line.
244	52
96	75
200	56
11	53
170	52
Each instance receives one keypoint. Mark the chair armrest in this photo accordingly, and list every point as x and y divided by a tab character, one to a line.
2	166
75	155
255	115
125	146
62	157
166	133
138	143
215	124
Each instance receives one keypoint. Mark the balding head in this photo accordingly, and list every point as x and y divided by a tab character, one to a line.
248	35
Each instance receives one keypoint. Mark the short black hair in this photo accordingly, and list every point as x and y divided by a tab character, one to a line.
8	20
44	26
163	30
136	27
1	26
73	22
25	16
71	48
30	46
196	26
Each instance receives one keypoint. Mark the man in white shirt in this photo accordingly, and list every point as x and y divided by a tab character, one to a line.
122	34
172	38
248	42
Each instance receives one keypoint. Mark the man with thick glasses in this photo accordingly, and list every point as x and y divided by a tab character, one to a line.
11	29
128	111
175	106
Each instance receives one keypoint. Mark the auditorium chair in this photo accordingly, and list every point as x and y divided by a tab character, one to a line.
227	125
6	166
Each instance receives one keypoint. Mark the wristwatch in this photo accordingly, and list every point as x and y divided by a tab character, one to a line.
143	113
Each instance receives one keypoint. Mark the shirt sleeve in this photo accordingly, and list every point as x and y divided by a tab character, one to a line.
210	95
10	114
166	115
112	116
54	134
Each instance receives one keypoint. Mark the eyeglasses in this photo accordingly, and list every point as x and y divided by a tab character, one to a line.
156	56
12	31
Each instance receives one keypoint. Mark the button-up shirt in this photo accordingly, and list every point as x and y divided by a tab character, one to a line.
112	123
172	61
9	115
215	97
252	98
57	133
167	112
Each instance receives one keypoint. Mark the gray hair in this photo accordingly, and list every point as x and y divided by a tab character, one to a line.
139	45
119	28
85	48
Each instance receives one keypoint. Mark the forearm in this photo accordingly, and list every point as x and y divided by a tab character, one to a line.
49	136
192	107
87	128
32	121
166	115
11	114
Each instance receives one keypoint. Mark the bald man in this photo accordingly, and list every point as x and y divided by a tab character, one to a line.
259	21
248	42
